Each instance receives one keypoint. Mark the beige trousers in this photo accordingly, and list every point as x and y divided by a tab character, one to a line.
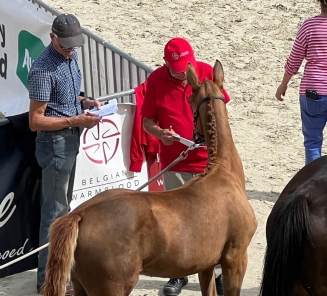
174	180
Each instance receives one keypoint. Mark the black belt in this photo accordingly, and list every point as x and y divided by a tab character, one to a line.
73	130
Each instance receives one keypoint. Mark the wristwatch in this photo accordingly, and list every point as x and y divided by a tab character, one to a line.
82	94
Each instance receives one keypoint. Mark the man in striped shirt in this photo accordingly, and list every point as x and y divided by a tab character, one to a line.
56	114
310	44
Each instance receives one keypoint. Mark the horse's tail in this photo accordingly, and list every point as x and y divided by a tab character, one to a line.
63	239
288	233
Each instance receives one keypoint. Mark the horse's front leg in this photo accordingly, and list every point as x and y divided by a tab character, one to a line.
207	282
233	265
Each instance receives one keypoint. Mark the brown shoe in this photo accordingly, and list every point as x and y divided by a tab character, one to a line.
69	289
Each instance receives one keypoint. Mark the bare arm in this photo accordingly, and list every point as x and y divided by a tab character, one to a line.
165	135
294	61
286	79
39	122
86	103
281	90
151	127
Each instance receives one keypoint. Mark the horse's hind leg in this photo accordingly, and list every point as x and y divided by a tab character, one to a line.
233	266
78	288
207	282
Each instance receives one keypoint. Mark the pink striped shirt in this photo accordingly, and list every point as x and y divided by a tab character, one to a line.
310	44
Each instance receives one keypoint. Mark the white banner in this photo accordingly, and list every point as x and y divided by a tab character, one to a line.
24	33
104	157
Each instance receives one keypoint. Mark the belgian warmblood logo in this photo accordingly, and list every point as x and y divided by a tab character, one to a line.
100	144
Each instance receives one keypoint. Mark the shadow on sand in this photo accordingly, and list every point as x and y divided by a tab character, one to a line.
153	284
264	196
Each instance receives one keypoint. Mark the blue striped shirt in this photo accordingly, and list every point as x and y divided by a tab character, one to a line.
57	81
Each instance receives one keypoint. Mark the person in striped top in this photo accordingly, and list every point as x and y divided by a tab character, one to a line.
310	44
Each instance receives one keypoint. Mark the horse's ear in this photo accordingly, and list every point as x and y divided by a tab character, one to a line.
192	77
218	74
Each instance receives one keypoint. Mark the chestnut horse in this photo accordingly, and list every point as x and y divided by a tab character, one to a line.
296	230
109	240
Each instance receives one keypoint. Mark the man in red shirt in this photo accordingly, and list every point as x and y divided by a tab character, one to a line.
166	112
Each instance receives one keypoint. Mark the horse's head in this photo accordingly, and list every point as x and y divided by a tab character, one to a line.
203	92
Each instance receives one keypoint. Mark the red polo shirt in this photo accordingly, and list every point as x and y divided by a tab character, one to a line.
166	100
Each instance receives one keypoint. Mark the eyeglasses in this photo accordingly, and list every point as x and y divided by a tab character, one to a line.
176	74
179	74
63	48
172	73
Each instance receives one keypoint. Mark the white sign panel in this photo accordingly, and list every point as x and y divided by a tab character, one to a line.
24	33
104	157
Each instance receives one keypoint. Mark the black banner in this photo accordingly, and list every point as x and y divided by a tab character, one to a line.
20	179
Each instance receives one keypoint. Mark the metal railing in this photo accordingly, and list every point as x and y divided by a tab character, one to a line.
119	96
105	68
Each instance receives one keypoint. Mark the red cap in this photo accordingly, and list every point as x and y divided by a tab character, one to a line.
178	53
226	95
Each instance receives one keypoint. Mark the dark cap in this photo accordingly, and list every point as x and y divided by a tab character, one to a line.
68	29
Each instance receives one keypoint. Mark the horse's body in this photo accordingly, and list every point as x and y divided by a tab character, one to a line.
119	234
296	255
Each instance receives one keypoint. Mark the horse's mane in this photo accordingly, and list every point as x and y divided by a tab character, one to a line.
212	131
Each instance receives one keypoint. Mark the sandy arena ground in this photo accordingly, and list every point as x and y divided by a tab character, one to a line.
252	39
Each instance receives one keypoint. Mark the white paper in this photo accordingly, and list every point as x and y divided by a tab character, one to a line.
184	141
105	110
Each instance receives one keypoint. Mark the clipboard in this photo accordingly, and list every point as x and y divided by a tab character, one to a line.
184	141
105	110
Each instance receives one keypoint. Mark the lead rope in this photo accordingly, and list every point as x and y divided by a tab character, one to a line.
182	156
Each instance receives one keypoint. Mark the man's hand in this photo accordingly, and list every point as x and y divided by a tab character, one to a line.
86	120
88	103
167	136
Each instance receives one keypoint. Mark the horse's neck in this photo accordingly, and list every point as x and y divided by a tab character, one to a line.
221	147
